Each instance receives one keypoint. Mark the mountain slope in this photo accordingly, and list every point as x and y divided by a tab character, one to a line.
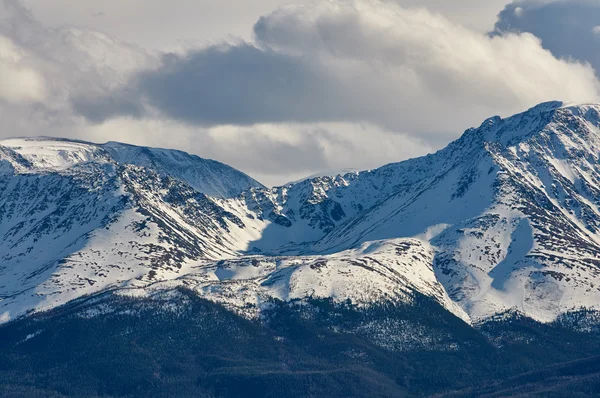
205	176
77	219
506	217
385	271
74	220
511	208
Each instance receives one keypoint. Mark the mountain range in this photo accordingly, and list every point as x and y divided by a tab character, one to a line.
502	223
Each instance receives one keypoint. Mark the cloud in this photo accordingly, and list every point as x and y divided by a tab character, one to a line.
19	83
239	84
365	62
568	28
201	22
51	66
337	84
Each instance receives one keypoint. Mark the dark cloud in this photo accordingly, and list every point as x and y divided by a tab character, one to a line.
97	108
568	28
239	84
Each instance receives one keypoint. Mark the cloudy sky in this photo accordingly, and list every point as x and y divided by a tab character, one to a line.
282	89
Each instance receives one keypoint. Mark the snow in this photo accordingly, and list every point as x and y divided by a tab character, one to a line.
48	153
505	218
374	272
206	176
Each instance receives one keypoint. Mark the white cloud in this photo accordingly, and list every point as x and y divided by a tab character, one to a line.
18	82
568	28
519	11
57	64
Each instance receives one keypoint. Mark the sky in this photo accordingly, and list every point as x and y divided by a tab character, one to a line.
283	89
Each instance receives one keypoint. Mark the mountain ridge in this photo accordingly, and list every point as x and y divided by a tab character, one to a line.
505	217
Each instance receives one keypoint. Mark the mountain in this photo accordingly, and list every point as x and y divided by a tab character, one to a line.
511	210
131	271
74	219
505	218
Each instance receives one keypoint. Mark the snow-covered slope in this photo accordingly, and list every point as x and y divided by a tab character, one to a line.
506	217
390	270
205	176
511	208
74	220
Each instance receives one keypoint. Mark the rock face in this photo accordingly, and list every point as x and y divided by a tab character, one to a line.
506	217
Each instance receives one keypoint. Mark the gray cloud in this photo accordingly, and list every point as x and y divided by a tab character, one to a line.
239	84
568	28
304	155
96	107
87	72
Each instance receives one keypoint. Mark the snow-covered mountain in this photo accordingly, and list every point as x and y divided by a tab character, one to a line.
506	217
75	220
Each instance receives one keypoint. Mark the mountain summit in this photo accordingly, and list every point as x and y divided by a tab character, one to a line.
506	217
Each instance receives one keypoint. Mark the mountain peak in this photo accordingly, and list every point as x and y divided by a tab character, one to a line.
550	106
554	118
546	106
49	154
45	153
